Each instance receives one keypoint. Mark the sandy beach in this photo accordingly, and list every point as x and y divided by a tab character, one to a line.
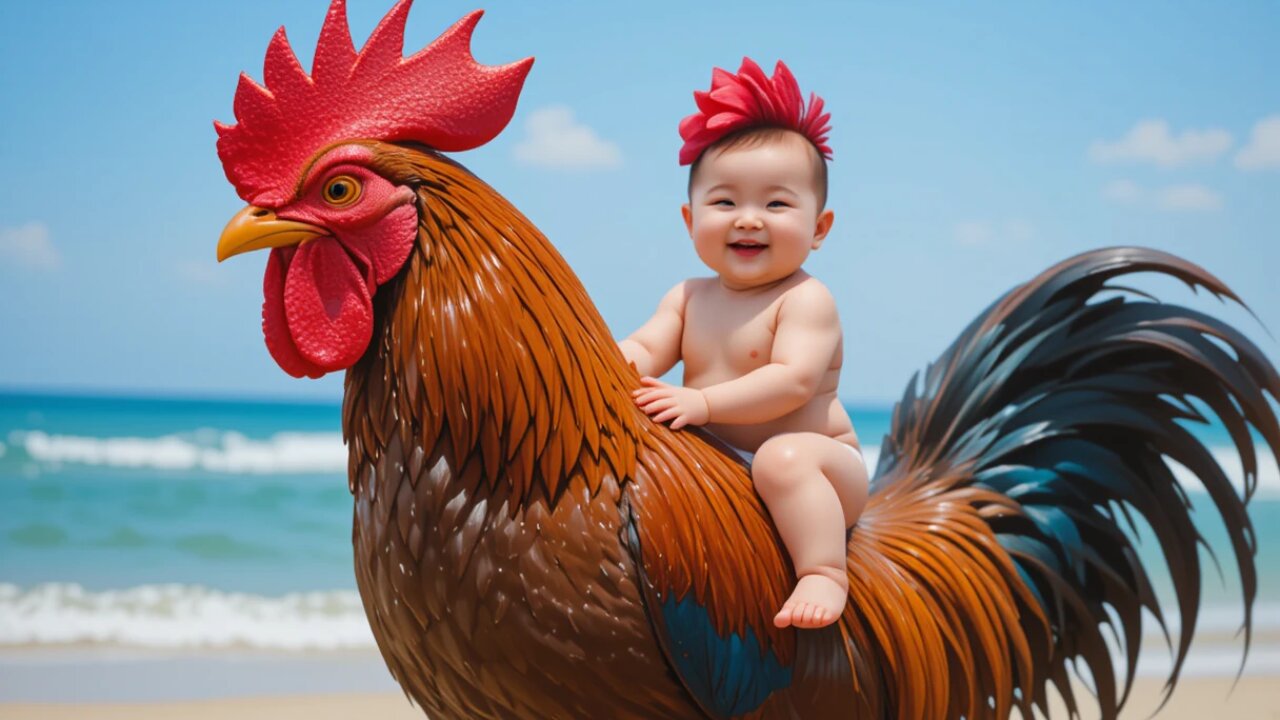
385	706
115	683
1253	698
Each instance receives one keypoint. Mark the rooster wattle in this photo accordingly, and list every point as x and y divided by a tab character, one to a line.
528	544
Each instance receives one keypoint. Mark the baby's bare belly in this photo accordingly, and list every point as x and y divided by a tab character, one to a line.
823	414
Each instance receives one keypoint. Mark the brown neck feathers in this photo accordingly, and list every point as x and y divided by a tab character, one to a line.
487	349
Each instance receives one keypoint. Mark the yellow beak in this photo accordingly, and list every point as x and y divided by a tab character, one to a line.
255	228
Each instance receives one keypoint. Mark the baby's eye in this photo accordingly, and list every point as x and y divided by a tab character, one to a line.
723	202
779	204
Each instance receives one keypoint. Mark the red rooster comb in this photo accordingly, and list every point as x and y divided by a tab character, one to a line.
751	99
440	97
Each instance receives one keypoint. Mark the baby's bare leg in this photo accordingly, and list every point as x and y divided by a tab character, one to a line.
815	488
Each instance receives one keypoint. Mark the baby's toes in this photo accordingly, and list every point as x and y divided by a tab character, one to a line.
785	616
812	616
804	615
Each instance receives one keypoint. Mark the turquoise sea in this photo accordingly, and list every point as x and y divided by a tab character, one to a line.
212	524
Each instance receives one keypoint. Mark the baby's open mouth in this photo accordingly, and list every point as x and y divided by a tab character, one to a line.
747	248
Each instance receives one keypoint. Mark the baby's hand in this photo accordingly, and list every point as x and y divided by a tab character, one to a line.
663	402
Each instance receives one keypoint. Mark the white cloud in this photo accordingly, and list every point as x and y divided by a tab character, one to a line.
29	246
1263	150
554	139
1126	192
1189	197
1170	198
981	233
1151	141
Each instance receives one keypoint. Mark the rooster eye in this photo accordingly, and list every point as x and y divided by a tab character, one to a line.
342	191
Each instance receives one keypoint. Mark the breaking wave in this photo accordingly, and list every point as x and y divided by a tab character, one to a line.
299	452
181	616
210	451
195	617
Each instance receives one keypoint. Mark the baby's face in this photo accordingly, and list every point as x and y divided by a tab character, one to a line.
753	211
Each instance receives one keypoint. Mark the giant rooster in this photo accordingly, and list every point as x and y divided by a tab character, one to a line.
529	545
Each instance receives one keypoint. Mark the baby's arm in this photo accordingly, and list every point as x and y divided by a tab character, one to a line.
655	347
804	344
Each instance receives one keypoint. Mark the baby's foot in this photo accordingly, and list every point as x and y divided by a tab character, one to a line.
816	602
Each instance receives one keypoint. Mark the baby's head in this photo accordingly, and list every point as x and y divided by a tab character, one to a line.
758	181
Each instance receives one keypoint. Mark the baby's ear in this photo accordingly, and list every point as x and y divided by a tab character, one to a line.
825	219
687	213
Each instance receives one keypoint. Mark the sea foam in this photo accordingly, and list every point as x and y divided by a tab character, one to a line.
224	452
181	616
1268	473
297	452
195	617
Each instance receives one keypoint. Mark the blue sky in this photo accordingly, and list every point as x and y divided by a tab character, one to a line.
975	145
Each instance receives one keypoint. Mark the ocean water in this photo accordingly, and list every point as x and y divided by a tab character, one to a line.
163	523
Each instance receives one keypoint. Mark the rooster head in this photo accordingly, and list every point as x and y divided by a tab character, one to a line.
303	154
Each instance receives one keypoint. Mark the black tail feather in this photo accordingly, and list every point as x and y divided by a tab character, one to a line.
1068	396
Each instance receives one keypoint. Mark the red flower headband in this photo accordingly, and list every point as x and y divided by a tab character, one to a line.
751	99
